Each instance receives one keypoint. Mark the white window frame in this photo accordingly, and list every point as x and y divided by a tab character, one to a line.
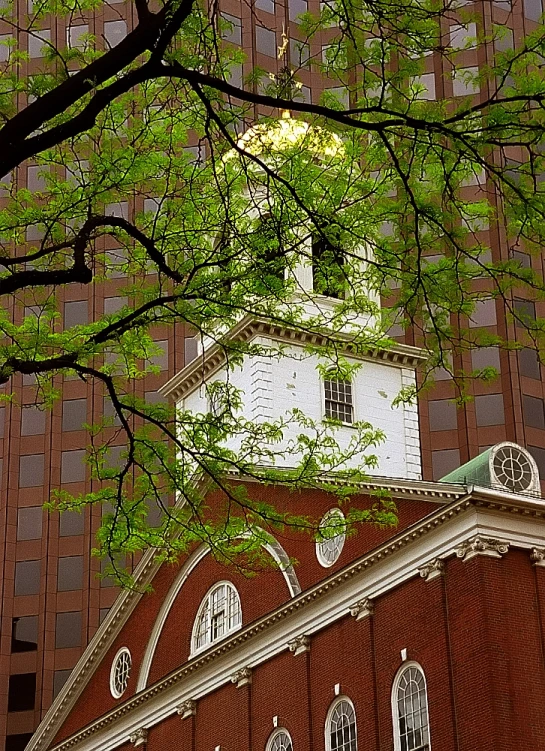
113	688
325	417
395	715
274	736
205	603
332	708
322	560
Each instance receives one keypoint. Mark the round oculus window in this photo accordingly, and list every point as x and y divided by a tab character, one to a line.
331	537
120	672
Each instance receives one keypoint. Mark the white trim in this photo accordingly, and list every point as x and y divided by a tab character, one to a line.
113	689
230	587
273	548
334	704
395	686
274	735
335	511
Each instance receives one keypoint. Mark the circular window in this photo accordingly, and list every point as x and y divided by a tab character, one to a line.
331	537
120	672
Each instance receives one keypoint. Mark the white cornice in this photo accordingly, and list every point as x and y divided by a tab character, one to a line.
190	377
401	558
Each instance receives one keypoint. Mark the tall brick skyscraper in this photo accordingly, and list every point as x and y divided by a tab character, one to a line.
51	600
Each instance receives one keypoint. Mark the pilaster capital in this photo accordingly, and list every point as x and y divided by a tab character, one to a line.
432	570
139	737
242	677
187	708
299	645
480	545
362	609
537	556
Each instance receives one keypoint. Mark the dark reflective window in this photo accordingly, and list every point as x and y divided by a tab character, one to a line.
17	742
105	563
110	411
534	414
444	462
489	410
103	612
29	523
442	415
21	692
74	414
328	275
524	312
73	466
68	630
75	314
32	420
59	679
31	470
71	523
24	633
27	577
70	573
529	364
484	313
539	455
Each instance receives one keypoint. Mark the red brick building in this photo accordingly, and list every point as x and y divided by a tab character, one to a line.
427	637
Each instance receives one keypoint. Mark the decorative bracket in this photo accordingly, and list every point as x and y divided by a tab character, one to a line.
537	555
299	645
478	545
362	609
187	709
139	737
242	677
432	570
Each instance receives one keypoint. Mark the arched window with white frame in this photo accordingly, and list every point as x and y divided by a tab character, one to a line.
280	740
340	727
219	614
410	709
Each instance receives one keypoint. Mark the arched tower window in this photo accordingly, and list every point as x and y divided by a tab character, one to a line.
280	740
341	731
219	614
410	709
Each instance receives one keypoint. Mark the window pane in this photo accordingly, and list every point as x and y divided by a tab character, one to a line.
22	692
115	32
114	304
31	470
37	41
539	455
489	410
68	630
27	577
59	679
24	634
524	312
233	34
533	9
75	314
71	523
296	8
17	742
267	5
484	314
32	420
265	41
72	466
444	462
487	357
70	573
74	414
534	414
442	415
29	523
529	364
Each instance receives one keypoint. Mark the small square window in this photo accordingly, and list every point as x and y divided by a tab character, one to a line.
29	523
59	679
424	86
465	81
70	573
73	466
24	634
484	314
533	9
119	208
114	304
534	413
75	36
71	523
160	360
444	462
266	5
529	364
338	400
115	32
232	29
524	312
442	415
296	8
74	414
27	578
489	410
17	742
463	36
116	263
487	357
299	53
31	470
32	420
21	692
75	314
68	630
265	41
37	40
